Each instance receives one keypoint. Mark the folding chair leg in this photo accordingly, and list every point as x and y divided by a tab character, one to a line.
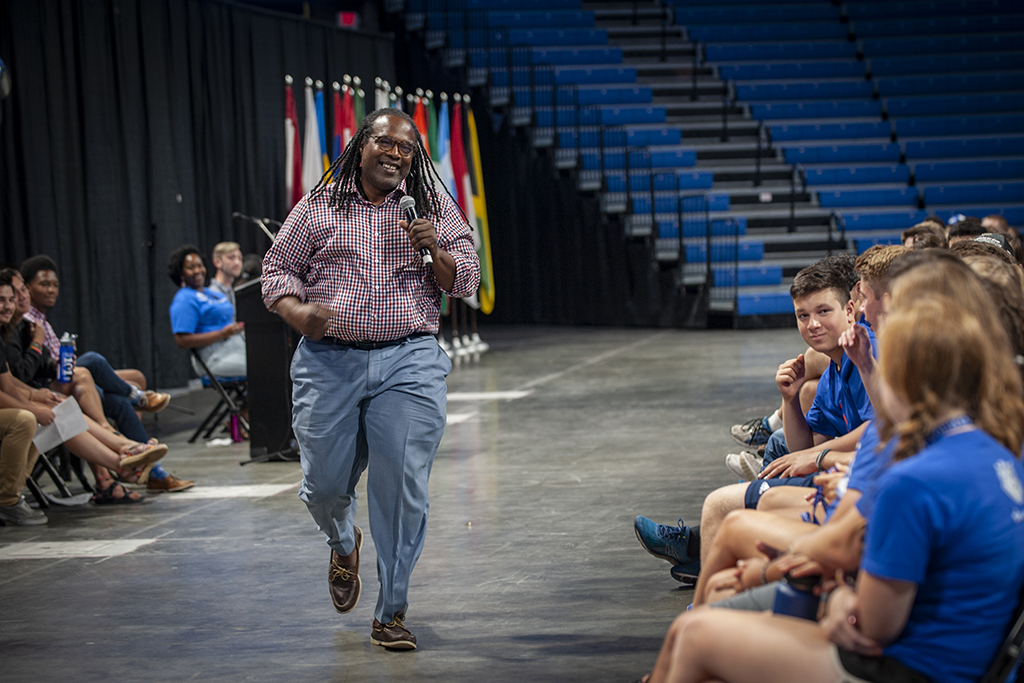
210	419
37	493
76	467
56	476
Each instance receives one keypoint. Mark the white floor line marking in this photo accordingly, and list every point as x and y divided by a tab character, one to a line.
487	395
590	361
243	491
163	521
65	549
456	418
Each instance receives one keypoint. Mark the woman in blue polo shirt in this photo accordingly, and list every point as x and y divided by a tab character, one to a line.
943	559
203	318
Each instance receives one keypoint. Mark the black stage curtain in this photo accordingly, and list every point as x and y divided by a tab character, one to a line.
133	121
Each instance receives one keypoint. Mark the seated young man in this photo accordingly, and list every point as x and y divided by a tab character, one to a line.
743	530
227	259
825	437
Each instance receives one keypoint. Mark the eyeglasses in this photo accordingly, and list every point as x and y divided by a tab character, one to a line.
387	144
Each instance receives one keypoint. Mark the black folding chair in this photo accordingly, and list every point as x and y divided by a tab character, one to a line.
1009	655
232	392
67	465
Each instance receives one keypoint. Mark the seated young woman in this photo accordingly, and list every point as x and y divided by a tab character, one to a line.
203	318
943	556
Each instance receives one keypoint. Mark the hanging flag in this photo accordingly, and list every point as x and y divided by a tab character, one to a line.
460	171
312	154
444	151
337	142
419	117
321	123
482	239
292	148
432	128
348	116
359	106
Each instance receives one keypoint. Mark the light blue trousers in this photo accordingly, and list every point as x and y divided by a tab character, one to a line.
384	408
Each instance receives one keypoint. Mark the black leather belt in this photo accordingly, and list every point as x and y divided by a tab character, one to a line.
371	345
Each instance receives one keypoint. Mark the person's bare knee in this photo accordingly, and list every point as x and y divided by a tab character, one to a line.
784	498
717	505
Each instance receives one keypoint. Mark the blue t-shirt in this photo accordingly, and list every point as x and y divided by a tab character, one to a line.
194	312
871	459
841	402
951	520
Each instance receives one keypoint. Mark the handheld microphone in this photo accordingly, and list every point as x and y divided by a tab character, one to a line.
408	205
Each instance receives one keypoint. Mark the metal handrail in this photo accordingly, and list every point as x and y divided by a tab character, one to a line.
798	174
836	219
764	144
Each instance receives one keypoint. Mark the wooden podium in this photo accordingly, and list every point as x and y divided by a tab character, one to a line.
269	344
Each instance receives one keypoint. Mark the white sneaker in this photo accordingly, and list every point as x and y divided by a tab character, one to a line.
20	514
480	344
745	465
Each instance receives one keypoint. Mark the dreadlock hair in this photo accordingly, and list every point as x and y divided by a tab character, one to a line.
346	169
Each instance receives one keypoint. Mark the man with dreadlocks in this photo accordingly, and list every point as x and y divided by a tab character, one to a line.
368	375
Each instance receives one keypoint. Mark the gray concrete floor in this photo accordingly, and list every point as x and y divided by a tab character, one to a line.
531	570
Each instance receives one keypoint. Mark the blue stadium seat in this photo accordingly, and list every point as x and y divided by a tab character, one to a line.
720	227
1014	214
594	74
933	126
740	52
950	83
541	19
941	45
724	252
626	114
804	90
748	276
969	170
883	220
816	110
896	196
612	94
939	105
512	5
775	303
557	37
975	193
830	131
935	8
783	70
851	175
642	137
740	33
781	12
830	154
966	147
945	64
938	26
695	180
560	56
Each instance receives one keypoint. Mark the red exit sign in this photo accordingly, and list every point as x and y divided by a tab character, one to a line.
348	20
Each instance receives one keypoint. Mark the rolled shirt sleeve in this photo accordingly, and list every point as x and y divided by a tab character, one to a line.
453	235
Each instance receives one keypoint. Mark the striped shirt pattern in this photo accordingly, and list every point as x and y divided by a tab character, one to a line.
50	340
361	265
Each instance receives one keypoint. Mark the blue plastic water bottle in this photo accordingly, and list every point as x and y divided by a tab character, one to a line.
795	597
66	363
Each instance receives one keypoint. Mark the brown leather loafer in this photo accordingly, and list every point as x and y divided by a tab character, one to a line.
393	635
343	577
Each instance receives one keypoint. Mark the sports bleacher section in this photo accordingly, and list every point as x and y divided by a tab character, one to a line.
748	138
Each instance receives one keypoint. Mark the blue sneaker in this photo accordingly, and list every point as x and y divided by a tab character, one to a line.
754	433
664	541
686	574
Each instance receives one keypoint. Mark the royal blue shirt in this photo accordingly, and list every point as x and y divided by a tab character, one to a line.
951	520
841	402
195	312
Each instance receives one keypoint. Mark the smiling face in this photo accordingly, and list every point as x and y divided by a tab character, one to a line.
383	171
193	272
6	304
43	289
22	299
821	320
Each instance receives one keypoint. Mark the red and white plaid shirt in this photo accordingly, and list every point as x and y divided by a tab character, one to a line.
50	340
361	265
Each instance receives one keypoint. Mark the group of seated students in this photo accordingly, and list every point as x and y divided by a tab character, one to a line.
890	480
116	445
